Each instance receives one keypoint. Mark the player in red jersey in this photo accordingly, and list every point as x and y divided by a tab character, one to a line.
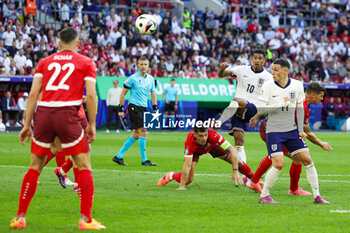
202	140
61	78
313	95
62	170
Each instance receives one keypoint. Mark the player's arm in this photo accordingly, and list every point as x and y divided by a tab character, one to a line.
31	105
235	175
222	73
176	100
91	106
108	97
315	140
185	172
121	101
154	97
164	97
301	112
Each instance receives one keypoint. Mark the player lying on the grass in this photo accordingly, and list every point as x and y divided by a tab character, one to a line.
313	95
243	106
61	77
282	99
202	140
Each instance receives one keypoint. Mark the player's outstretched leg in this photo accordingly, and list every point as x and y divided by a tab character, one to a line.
166	179
118	158
294	173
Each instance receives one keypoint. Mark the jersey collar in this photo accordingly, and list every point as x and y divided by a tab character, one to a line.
285	86
262	69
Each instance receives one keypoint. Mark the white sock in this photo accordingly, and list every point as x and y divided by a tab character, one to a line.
171	175
62	172
241	153
270	180
229	112
312	177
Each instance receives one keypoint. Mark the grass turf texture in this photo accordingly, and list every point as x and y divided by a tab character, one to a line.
128	200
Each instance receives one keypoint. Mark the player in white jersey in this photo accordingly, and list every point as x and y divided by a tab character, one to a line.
281	99
242	107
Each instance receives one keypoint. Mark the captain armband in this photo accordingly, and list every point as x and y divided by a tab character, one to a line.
225	145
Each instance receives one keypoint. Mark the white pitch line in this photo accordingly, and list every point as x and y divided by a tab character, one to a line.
340	211
162	173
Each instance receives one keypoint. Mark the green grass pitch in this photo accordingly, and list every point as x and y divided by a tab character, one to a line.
128	200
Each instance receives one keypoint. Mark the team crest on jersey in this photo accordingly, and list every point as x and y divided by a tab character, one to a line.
274	147
261	82
292	95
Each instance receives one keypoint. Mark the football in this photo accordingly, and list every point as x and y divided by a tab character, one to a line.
146	24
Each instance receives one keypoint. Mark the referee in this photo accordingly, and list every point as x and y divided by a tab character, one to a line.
140	85
170	98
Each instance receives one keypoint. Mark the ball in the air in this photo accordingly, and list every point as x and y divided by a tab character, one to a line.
146	24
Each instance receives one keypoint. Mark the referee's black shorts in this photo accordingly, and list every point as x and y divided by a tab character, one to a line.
136	116
170	107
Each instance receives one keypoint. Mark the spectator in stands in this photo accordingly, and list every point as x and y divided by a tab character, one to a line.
236	18
325	72
175	27
8	105
274	17
347	107
20	59
64	11
296	32
329	106
210	25
346	80
8	36
155	72
22	106
339	109
164	29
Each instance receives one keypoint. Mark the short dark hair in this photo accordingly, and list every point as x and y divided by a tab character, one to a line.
259	51
282	62
68	34
172	80
315	87
143	58
200	127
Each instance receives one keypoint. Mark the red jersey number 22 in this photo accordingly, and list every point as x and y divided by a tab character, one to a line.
58	68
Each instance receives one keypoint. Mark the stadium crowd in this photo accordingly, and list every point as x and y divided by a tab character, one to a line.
188	47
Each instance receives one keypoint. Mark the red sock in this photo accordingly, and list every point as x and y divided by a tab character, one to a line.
49	157
60	158
67	166
177	176
264	165
294	172
29	184
86	192
76	174
245	170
